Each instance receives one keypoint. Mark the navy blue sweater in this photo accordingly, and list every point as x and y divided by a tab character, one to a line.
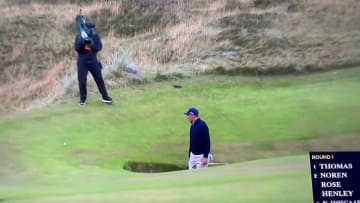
199	138
87	57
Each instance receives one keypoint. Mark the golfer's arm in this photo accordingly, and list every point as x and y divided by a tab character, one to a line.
206	137
97	46
78	43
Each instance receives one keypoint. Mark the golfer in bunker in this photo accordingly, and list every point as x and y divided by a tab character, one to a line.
199	148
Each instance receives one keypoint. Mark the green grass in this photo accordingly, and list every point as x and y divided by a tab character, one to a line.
277	180
249	118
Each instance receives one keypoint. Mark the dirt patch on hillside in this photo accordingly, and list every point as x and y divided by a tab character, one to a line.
4	152
84	156
9	162
12	170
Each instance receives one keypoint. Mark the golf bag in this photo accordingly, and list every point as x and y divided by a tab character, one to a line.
81	27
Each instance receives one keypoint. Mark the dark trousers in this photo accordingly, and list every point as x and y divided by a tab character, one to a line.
95	71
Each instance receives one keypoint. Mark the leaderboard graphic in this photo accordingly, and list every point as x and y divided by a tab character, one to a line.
335	177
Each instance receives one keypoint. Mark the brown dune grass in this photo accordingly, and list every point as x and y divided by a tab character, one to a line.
187	38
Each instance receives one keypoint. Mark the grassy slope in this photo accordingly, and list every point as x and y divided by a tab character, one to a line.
146	124
277	180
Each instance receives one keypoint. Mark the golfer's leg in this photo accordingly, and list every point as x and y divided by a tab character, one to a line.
195	161
96	73
82	76
199	161
191	162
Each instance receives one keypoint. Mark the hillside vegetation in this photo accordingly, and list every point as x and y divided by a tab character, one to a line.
169	38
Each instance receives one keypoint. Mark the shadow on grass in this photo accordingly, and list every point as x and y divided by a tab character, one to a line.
146	167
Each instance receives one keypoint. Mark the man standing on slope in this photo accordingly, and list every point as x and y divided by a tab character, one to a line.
199	148
87	49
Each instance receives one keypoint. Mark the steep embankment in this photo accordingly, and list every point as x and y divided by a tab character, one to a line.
169	38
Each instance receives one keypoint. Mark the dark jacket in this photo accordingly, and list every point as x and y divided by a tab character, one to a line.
87	57
199	138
